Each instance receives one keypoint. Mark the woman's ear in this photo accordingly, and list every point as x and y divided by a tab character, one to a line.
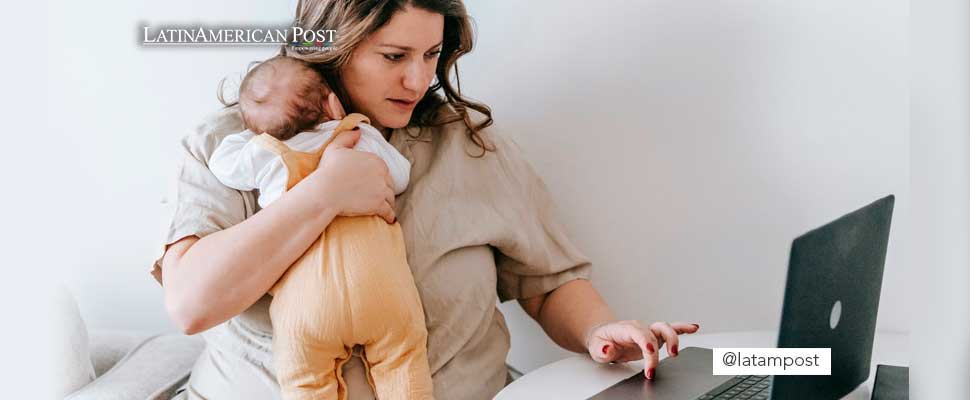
333	108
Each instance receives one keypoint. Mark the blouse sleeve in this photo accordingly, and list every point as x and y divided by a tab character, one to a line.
197	203
536	255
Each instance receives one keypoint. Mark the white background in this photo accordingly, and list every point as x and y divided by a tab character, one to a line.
687	142
940	155
125	107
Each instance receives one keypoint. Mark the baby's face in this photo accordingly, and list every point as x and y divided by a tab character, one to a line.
284	99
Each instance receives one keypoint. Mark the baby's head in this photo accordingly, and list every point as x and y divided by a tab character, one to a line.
283	96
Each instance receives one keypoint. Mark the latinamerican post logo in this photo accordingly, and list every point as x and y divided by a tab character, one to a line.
204	36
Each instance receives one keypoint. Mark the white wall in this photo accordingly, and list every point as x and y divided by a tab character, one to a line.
940	130
687	142
122	109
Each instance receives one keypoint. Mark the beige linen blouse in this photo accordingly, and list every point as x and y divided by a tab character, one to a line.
476	230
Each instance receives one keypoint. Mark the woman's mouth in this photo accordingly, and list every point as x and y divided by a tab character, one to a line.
404	103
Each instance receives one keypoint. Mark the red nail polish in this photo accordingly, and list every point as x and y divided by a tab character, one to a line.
650	374
697	326
650	347
605	348
673	349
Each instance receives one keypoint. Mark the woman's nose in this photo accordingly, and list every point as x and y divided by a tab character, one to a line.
417	76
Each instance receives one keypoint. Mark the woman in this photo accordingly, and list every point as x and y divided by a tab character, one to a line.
478	222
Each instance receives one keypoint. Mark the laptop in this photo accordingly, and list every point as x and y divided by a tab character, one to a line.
832	270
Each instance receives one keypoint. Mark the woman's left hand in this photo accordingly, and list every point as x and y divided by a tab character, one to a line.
624	341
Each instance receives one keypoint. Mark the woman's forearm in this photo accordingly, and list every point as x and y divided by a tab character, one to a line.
567	314
209	280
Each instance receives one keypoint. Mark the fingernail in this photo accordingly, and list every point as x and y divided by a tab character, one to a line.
605	348
650	374
696	326
650	347
673	349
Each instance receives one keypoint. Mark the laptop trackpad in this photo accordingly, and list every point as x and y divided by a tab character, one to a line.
684	377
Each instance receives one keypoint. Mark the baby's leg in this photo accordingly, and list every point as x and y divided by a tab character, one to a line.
308	344
307	365
307	372
398	366
397	358
388	316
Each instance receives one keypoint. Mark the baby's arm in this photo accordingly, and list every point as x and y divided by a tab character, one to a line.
233	161
372	141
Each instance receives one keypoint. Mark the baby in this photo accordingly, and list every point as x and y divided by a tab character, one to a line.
288	100
353	286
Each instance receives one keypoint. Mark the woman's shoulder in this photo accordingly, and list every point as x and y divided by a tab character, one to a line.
458	134
504	158
210	132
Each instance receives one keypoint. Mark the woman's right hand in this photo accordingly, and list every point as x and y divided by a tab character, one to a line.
354	182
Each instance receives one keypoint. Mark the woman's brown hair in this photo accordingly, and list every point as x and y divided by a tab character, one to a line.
355	20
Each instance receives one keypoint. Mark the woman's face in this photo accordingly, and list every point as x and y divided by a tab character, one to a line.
392	69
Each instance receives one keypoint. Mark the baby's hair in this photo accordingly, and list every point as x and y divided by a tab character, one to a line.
301	110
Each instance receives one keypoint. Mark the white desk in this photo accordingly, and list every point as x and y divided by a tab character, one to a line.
579	377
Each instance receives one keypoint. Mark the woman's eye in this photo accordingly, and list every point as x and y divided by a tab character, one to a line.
434	54
394	57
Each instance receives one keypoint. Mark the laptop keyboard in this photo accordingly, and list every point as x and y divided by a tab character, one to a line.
741	387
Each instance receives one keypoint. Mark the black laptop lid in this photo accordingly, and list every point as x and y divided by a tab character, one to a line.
834	277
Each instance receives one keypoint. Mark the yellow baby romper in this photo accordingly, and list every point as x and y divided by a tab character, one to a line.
352	286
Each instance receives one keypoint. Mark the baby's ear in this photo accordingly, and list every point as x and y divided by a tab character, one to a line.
333	108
